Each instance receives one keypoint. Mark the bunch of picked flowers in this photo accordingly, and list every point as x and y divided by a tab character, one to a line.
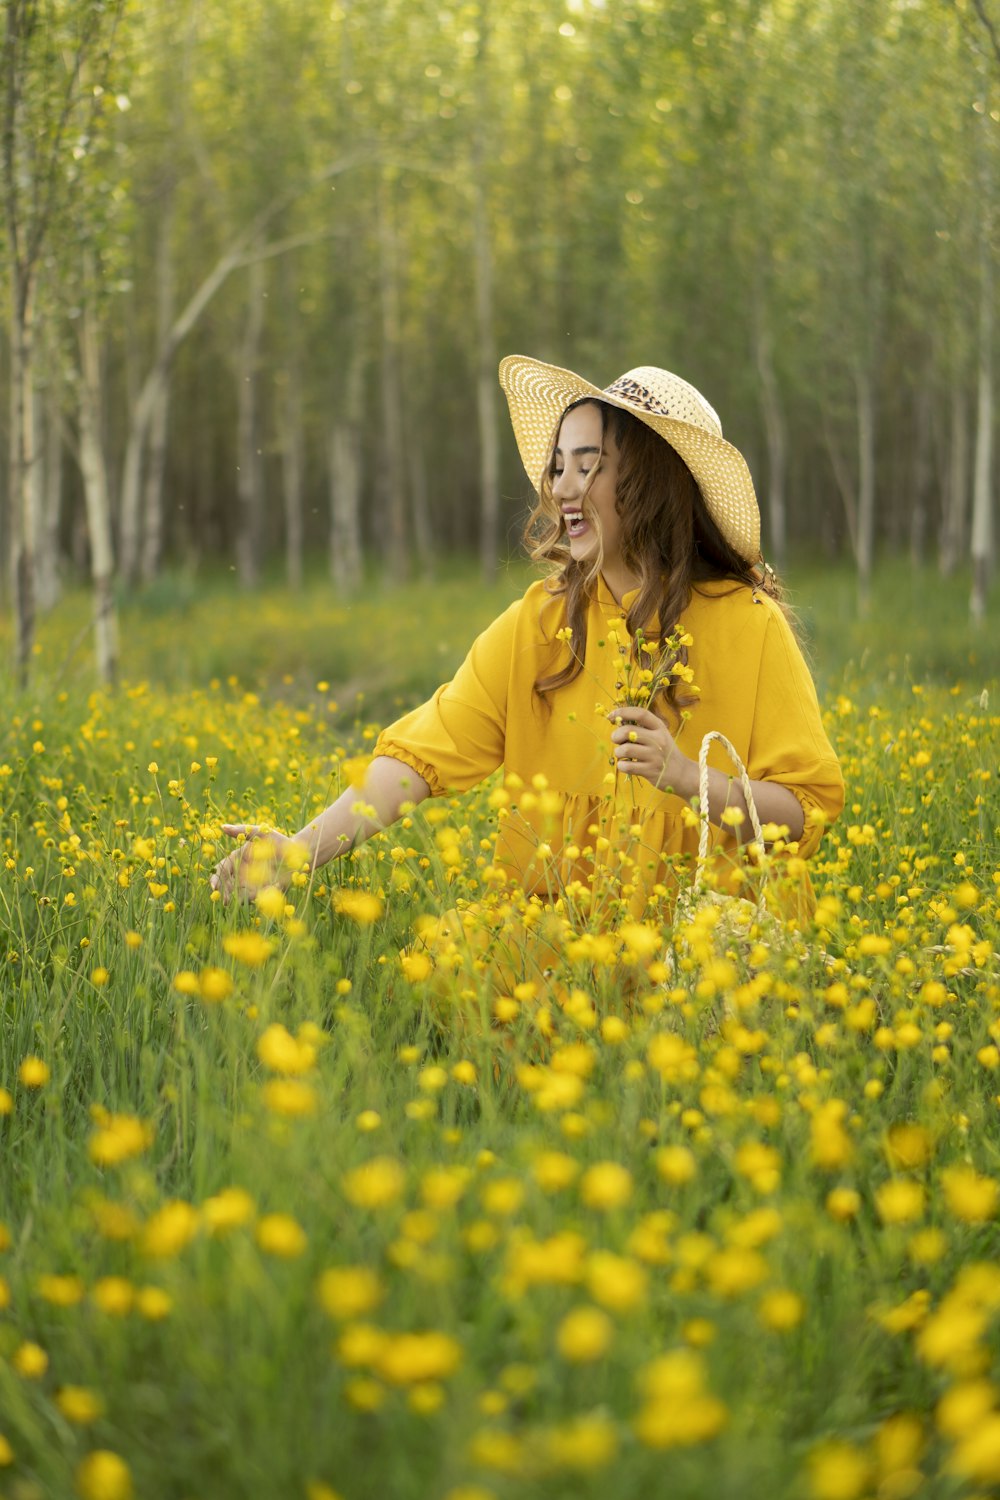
651	667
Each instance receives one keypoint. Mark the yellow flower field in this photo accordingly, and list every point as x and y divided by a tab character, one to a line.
295	1202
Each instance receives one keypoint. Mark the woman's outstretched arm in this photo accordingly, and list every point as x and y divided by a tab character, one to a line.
389	787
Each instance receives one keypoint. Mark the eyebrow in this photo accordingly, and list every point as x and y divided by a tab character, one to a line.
579	452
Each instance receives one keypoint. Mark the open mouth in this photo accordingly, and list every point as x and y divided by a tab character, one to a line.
574	522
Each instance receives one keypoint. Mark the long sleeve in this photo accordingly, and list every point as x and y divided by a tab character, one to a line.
458	736
788	743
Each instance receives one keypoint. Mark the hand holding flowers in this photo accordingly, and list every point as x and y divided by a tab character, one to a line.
643	746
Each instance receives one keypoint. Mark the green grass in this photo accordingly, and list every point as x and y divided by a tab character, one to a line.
770	1080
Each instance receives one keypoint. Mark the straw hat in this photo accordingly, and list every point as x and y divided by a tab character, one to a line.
538	395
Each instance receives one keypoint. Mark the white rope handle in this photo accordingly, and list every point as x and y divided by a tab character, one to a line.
745	783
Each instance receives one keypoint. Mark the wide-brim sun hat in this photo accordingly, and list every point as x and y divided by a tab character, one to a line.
538	395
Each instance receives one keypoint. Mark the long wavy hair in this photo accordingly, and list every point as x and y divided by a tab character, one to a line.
668	540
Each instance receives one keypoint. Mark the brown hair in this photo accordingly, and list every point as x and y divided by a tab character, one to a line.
668	539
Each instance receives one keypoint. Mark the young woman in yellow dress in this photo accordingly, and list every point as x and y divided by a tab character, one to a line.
647	521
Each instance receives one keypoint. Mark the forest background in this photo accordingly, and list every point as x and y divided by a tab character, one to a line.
261	262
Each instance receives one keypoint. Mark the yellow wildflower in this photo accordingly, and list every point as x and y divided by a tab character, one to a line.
290	1097
907	1147
969	1196
30	1360
61	1291
227	1210
102	1475
114	1295
838	1471
362	907
349	1291
281	1235
170	1230
119	1138
80	1405
283	1053
33	1072
407	1358
584	1335
376	1184
248	948
781	1310
153	1303
606	1186
616	1282
900	1201
676	1165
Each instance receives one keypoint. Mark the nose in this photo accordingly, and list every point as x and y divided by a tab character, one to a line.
562	485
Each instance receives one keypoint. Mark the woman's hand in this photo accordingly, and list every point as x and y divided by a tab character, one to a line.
644	746
266	858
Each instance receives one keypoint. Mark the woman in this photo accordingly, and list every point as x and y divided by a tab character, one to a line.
648	520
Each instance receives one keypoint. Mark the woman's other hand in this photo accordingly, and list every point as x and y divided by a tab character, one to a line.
265	858
644	746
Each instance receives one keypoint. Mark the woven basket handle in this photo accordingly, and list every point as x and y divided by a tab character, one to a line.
745	783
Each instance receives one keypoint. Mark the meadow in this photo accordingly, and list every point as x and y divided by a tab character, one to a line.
286	1211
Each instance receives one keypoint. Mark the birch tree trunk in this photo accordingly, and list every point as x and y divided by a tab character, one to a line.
54	486
249	487
487	387
866	483
237	253
291	428
344	463
21	458
423	525
921	473
47	562
292	471
956	499
152	500
982	483
394	477
95	489
777	445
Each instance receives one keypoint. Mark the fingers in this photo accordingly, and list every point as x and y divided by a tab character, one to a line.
223	877
634	713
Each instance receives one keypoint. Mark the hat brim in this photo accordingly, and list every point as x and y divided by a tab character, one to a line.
538	395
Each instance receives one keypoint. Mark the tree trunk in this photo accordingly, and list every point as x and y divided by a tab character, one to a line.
21	458
777	445
982	484
95	489
152	501
344	460
54	486
236	254
249	486
845	485
919	501
47	499
293	461
487	387
866	484
423	525
956	498
292	470
394	475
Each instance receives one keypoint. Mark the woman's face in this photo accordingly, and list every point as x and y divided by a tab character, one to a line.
578	449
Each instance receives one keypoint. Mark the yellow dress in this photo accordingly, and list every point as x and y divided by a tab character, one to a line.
575	829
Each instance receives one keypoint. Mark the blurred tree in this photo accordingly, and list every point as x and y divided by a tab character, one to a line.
47	120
